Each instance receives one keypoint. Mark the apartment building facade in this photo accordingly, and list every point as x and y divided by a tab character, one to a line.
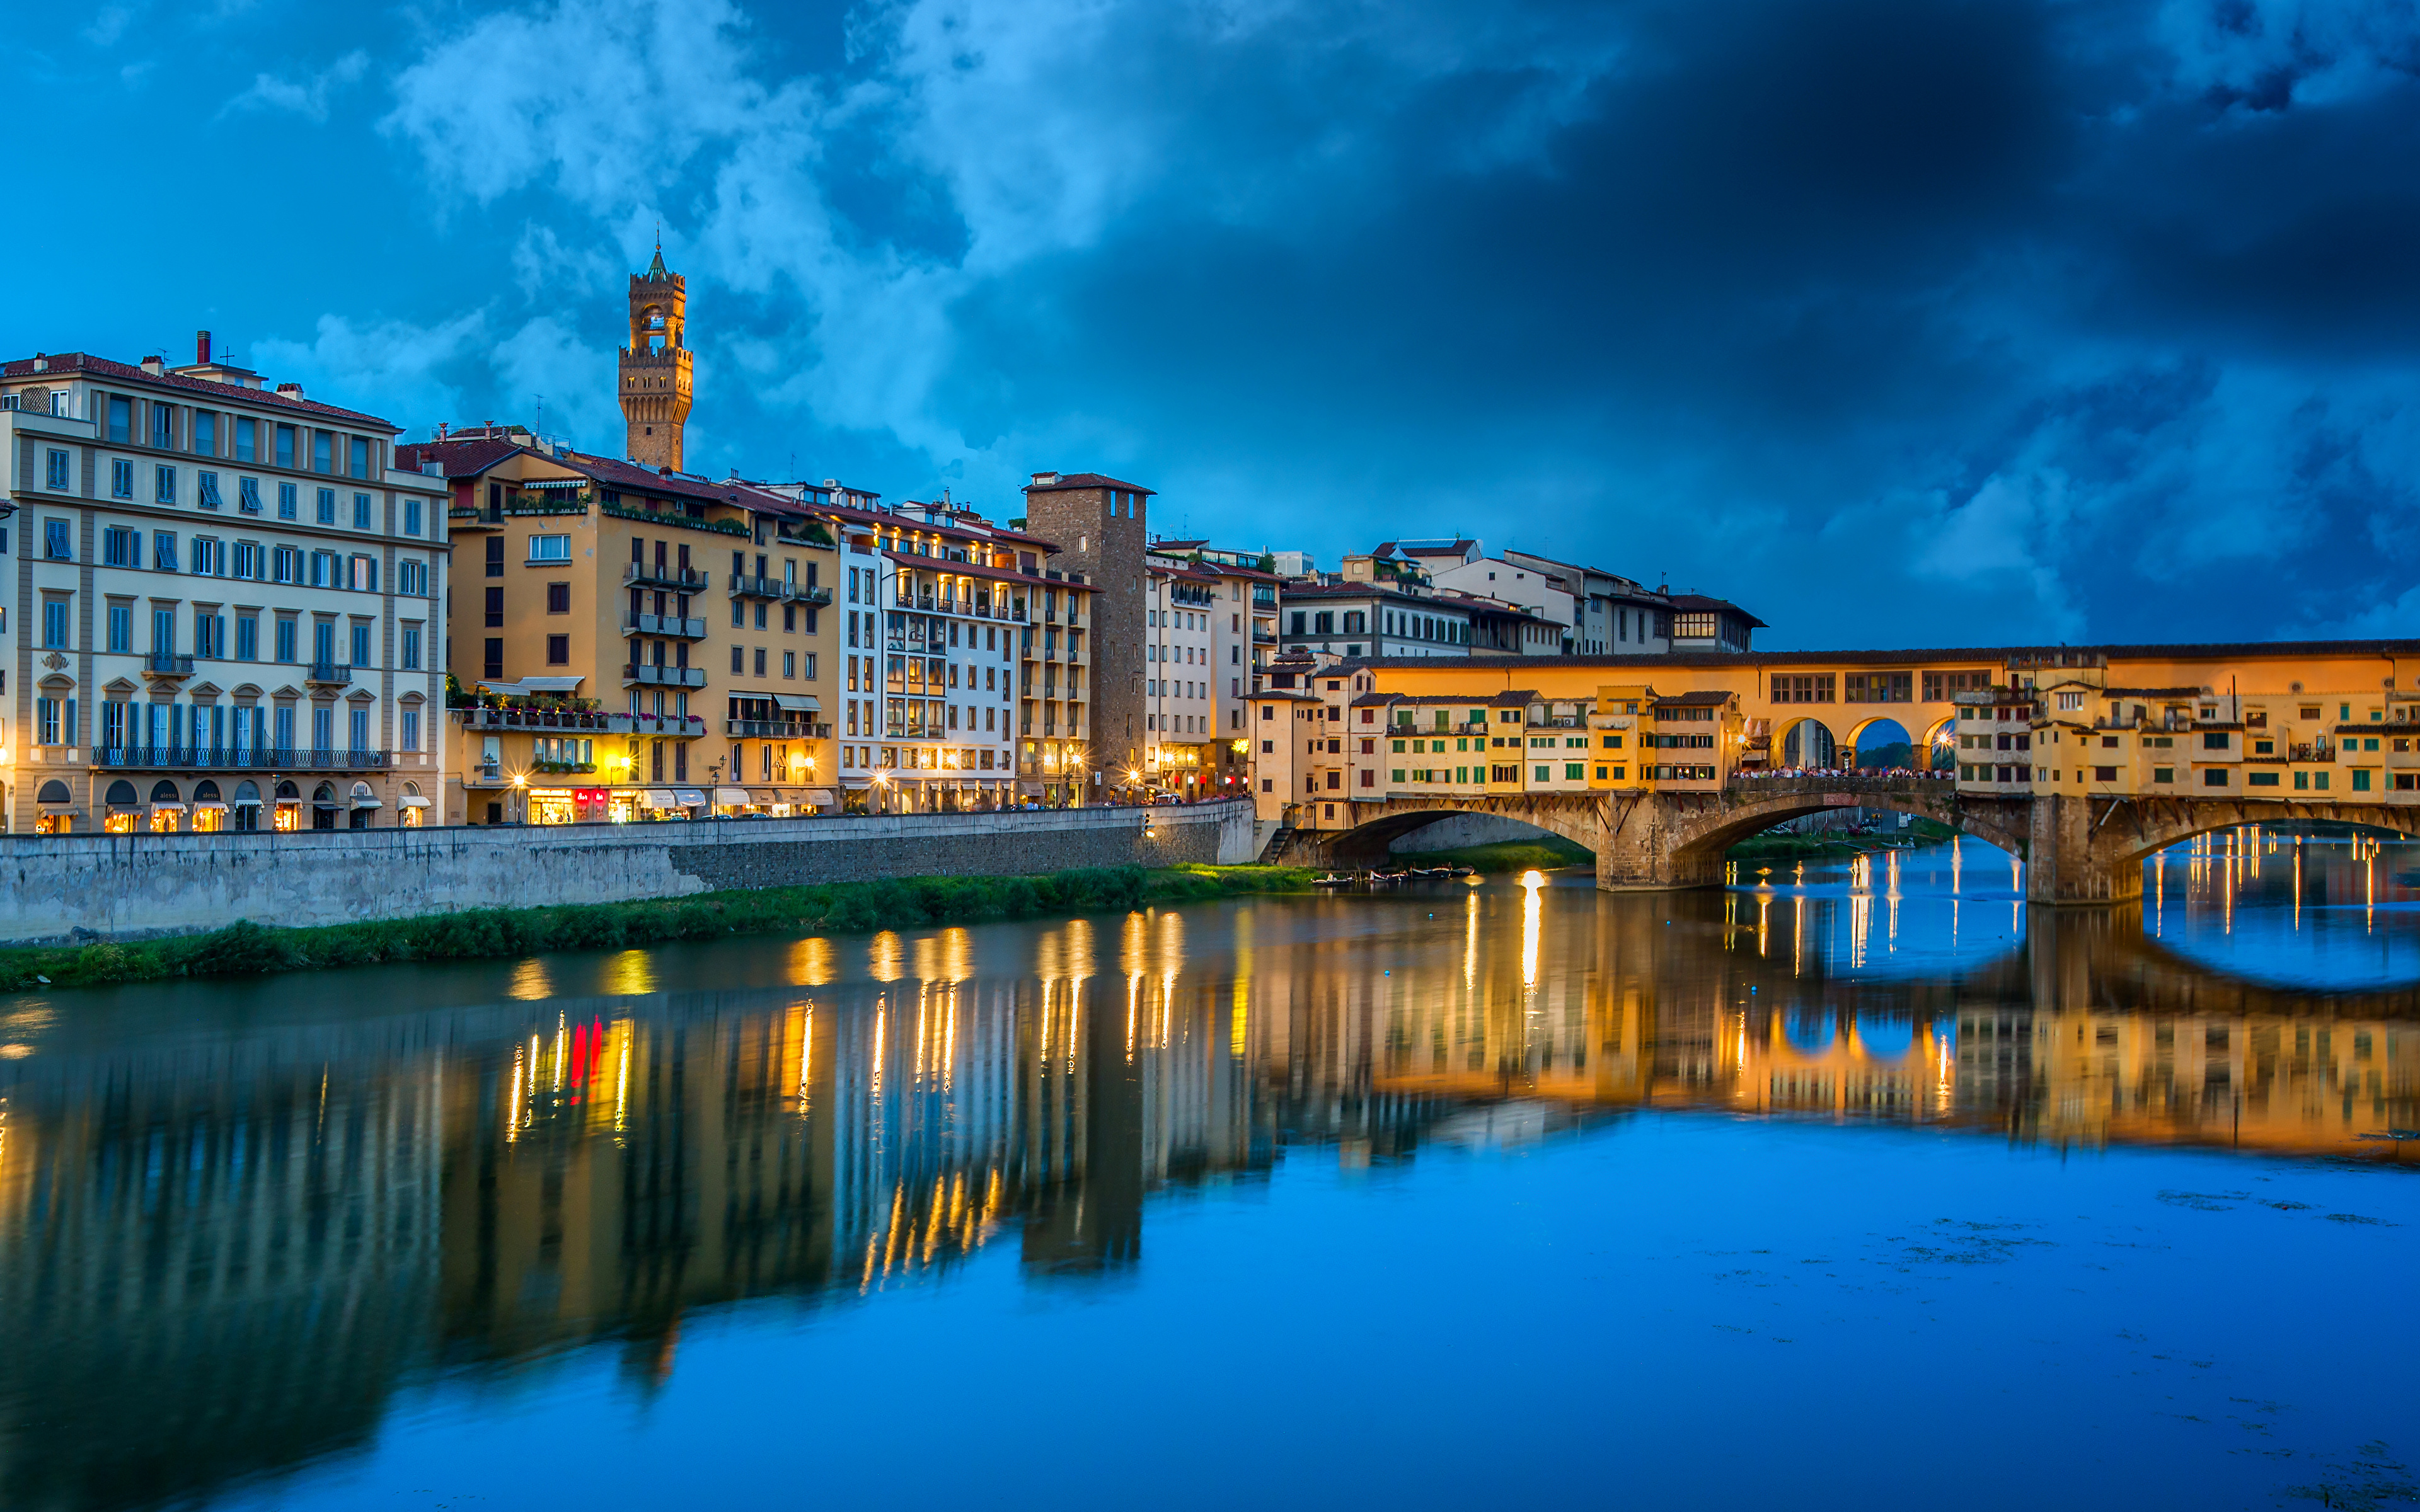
631	644
224	608
1098	527
966	663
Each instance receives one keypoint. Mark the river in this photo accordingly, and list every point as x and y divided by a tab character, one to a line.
1846	1186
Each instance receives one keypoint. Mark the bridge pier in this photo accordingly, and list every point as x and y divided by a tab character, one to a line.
2062	865
1647	847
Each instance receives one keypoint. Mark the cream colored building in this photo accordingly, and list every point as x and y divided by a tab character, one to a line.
225	612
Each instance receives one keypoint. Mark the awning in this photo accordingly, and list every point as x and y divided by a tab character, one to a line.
731	797
657	798
411	803
207	805
324	803
689	798
768	797
368	803
534	685
823	797
798	702
247	803
167	808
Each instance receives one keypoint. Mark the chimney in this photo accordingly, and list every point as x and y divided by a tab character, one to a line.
41	362
441	430
154	364
289	391
201	349
1044	479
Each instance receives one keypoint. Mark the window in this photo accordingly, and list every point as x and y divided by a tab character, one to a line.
361	460
121	478
492	661
495	609
163	481
206	433
327	515
1874	688
411	578
411	517
550	548
207	486
286	494
210	557
121	547
360	510
121	419
2214	777
247	495
1805	687
496	556
358	728
738	661
410	661
55	471
760	661
285	446
558	650
2260	780
408	730
2107	773
558	598
362	656
363	577
2213	740
54	541
286	565
286	635
247	439
163	550
324	459
2361	779
1573	771
247	637
209	636
164	426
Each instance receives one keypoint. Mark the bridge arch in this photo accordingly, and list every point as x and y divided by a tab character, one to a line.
2124	841
1803	740
1941	744
1577	817
1703	843
1865	736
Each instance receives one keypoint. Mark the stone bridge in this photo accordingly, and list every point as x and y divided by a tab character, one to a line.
2076	850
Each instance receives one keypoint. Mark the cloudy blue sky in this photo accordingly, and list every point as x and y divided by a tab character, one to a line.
1900	321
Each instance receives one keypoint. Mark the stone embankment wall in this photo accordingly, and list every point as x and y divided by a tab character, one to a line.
132	887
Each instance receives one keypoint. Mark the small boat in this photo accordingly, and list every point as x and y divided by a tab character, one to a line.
1331	880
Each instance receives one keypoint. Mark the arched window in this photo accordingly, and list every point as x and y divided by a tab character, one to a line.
54	791
121	794
164	791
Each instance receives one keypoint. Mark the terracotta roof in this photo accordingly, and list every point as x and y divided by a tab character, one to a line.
1703	604
85	362
1706	696
977	569
460	459
1081	479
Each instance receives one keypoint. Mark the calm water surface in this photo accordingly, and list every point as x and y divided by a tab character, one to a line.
1859	1186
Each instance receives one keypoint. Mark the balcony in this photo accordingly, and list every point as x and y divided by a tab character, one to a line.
812	594
167	663
535	718
644	674
753	585
328	674
678	580
776	729
229	758
665	624
1263	637
1560	721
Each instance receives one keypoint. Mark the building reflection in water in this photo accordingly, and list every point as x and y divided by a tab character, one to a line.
246	1238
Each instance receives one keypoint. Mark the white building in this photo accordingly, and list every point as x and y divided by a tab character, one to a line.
225	614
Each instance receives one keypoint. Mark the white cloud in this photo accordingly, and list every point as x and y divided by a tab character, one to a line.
577	382
308	98
391	368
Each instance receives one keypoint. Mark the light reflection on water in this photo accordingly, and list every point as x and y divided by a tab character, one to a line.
298	1228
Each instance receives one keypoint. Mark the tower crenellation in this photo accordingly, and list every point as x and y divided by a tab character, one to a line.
656	367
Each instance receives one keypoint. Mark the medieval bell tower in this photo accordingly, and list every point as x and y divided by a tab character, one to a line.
656	367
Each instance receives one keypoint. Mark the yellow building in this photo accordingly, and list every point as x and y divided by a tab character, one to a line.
631	644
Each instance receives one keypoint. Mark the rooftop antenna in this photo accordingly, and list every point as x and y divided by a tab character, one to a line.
541	416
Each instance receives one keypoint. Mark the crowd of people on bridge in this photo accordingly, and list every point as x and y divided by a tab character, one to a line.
1834	773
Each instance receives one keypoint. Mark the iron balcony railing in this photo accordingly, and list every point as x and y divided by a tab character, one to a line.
167	663
753	585
777	729
645	675
665	624
328	673
681	579
228	758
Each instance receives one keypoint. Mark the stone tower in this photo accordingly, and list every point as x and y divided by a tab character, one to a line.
1098	525
656	367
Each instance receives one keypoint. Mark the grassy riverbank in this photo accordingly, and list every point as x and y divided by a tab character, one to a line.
1542	855
489	934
